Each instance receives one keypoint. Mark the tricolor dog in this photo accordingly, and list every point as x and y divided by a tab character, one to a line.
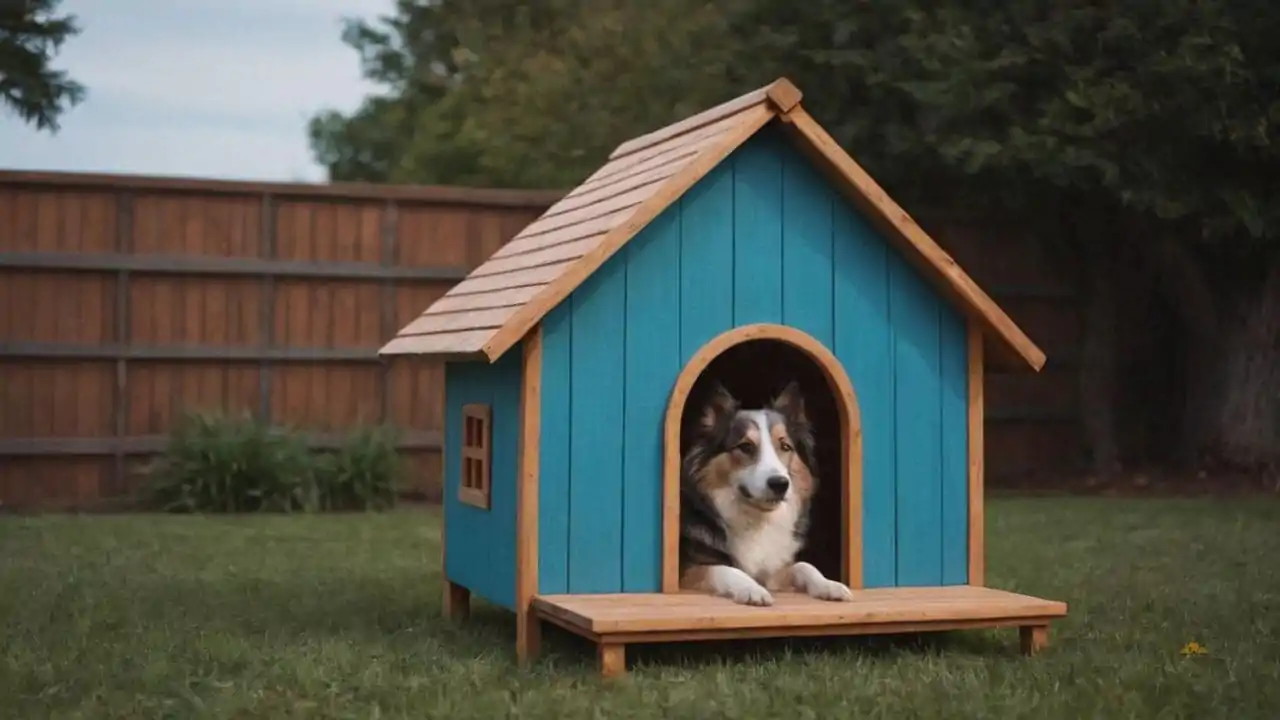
745	490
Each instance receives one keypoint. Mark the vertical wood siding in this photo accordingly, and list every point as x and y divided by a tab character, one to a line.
761	239
480	544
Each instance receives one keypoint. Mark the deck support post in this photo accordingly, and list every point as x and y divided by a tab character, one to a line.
613	659
1033	638
457	601
528	636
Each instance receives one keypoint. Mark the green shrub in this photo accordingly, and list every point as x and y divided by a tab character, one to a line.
362	474
216	463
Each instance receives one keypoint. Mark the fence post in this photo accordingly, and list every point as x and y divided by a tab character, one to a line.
266	304
390	229
123	333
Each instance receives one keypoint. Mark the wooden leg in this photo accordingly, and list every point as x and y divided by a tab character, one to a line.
457	601
613	659
528	636
1033	638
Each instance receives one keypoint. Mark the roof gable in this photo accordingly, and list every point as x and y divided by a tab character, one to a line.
510	292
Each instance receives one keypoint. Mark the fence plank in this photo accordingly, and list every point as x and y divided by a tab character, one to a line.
483	198
387	301
267	307
197	265
124	245
151	444
115	351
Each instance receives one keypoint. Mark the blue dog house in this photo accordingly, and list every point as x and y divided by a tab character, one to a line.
571	352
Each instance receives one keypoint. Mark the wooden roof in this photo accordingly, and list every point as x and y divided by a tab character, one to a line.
507	295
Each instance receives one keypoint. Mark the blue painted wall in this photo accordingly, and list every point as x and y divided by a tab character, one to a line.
480	545
763	238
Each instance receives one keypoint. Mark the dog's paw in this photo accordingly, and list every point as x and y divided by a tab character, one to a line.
750	595
830	590
741	588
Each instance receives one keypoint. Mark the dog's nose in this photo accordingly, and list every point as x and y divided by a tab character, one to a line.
778	484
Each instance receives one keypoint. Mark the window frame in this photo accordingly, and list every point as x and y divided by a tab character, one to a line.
476	456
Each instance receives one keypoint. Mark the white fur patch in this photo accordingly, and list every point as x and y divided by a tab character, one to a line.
762	543
732	583
812	582
756	477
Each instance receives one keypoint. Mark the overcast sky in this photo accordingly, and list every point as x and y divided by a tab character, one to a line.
204	88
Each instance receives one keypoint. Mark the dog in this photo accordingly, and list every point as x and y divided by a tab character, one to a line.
746	485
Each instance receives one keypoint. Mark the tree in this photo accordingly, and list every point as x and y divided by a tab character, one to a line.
1130	135
524	94
1138	128
31	34
410	55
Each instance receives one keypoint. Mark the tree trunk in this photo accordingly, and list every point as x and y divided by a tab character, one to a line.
1186	288
1202	373
1098	356
1248	420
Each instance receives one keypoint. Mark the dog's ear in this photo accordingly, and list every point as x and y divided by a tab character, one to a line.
718	410
791	404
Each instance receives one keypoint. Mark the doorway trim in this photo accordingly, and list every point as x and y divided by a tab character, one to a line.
850	432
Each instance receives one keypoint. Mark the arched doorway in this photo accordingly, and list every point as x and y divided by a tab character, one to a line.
824	381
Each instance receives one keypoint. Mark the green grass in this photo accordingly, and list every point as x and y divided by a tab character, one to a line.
339	617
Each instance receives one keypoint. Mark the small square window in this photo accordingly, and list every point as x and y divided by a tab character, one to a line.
473	488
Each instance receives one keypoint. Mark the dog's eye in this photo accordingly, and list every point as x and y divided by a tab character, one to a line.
784	446
746	447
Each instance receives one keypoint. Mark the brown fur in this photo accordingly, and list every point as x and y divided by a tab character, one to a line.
719	471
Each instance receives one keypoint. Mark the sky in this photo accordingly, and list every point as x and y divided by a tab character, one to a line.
197	88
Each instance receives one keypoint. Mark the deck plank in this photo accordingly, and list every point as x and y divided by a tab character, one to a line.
605	614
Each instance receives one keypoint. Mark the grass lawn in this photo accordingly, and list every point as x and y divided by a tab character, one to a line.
339	617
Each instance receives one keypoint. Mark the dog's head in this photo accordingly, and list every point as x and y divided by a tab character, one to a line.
765	454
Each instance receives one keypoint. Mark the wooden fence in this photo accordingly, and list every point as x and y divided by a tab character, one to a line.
125	301
128	300
1032	423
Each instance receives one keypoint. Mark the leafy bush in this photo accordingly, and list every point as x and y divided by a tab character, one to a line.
217	463
363	474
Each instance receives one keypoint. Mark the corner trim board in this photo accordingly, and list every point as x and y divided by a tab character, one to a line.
527	621
977	461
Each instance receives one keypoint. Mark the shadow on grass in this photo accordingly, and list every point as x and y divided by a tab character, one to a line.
711	653
380	610
566	649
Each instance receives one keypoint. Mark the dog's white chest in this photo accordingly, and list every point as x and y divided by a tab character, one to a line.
761	545
765	549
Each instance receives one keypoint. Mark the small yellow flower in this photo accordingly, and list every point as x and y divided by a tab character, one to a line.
1194	648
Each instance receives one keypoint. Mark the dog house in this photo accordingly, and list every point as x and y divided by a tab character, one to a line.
742	239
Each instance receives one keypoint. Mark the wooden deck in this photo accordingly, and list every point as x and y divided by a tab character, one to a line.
614	620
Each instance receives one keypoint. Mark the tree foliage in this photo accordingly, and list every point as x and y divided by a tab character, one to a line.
31	33
1167	107
524	95
1115	128
410	55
